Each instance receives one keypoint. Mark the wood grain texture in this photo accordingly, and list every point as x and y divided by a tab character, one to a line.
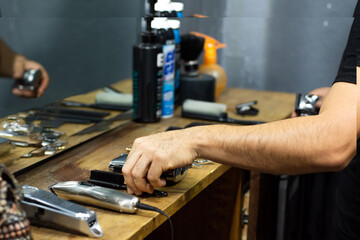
97	152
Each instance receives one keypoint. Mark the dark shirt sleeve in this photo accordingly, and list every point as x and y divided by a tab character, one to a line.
351	56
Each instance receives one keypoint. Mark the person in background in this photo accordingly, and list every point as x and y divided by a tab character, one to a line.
322	143
13	65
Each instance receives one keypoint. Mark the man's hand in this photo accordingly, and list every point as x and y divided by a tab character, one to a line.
21	64
152	155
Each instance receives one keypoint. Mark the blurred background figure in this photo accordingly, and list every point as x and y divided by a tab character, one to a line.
13	65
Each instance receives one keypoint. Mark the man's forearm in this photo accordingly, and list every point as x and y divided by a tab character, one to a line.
284	147
326	142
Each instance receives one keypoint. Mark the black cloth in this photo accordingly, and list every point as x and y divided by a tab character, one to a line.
351	56
327	205
346	214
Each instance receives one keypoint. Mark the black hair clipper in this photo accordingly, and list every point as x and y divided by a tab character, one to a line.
172	176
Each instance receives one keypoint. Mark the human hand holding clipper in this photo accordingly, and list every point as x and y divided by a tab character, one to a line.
150	156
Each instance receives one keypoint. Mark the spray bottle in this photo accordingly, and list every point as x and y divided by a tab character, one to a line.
148	61
210	65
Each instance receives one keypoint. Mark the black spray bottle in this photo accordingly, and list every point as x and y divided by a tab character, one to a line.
148	61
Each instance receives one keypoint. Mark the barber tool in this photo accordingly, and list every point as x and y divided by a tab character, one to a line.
171	176
30	81
115	99
49	149
103	197
116	181
192	84
61	119
41	114
75	112
42	136
247	108
96	195
110	88
96	105
104	125
305	104
45	209
16	137
210	111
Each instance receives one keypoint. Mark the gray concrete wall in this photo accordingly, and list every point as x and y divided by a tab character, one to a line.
282	45
285	45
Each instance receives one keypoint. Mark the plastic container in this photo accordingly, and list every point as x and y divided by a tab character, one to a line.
178	8
147	78
165	36
175	25
210	65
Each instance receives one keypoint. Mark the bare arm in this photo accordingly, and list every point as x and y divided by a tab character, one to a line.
326	142
13	65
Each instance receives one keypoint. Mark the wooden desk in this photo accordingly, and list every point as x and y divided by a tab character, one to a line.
206	204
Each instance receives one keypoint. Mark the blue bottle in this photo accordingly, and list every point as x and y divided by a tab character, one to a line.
175	26
165	36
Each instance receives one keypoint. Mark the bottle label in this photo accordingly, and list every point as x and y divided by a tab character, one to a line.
168	80
169	63
168	99
160	60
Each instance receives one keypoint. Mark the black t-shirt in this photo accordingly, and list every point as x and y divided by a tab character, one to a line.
351	56
346	216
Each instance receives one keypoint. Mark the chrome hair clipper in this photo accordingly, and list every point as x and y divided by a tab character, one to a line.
305	104
95	195
45	209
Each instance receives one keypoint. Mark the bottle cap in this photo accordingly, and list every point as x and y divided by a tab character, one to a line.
163	6
174	24
159	23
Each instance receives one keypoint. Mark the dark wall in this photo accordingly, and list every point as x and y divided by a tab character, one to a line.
83	44
281	45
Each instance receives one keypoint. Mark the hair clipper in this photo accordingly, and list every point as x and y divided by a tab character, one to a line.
45	209
96	195
172	176
30	81
305	104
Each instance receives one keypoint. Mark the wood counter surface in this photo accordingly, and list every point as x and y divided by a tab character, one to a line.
76	163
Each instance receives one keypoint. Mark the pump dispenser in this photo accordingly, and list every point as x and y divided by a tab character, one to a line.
163	8
210	65
147	75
